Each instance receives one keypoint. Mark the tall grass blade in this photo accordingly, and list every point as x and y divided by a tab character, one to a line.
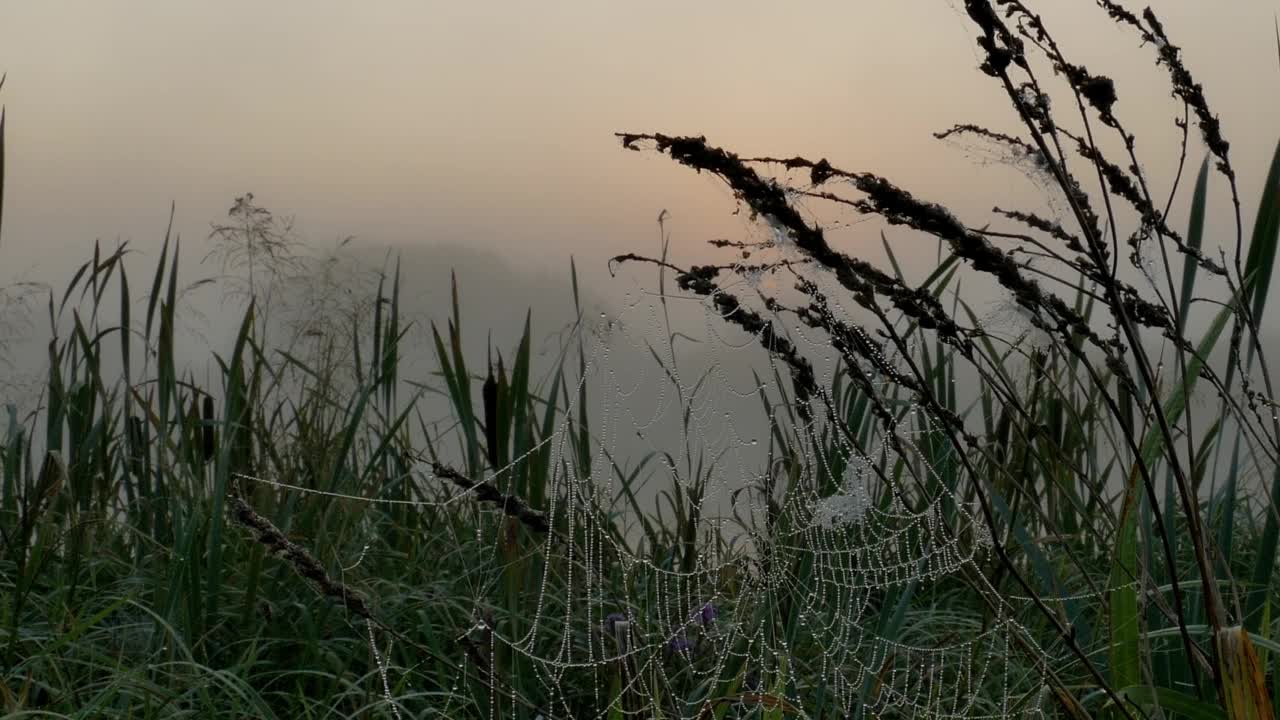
1195	238
233	458
2	110
1258	269
1172	700
1176	404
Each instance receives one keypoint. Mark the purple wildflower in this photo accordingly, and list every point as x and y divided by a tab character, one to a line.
679	644
708	613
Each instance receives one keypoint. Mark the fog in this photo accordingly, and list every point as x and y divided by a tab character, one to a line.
491	125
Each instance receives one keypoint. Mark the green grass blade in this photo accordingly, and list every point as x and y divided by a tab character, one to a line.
1262	246
1176	404
1262	253
517	421
1172	700
235	433
1195	238
1	165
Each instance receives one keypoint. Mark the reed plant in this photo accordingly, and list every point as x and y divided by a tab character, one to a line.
1120	516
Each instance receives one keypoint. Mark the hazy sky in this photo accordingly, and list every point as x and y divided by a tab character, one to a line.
490	124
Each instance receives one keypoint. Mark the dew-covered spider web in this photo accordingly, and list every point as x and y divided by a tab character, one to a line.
716	550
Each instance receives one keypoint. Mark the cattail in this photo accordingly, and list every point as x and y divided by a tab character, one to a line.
208	439
53	474
136	446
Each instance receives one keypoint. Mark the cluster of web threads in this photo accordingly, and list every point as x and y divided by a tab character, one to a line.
742	616
860	553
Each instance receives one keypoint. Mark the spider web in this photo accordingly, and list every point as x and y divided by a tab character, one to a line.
824	579
768	565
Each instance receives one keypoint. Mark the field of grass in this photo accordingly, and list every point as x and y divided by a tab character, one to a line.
947	521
